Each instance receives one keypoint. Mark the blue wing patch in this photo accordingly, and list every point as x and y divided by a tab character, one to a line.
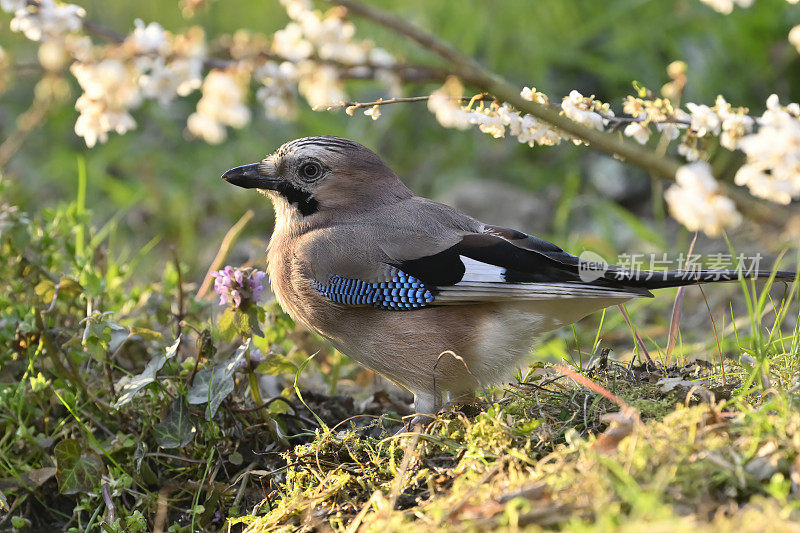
402	293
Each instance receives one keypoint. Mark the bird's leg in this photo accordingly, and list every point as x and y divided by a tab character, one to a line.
426	405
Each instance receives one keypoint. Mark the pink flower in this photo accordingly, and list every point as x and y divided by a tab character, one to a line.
238	286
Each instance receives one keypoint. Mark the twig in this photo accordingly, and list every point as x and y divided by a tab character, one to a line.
112	515
472	72
639	341
408	455
224	248
99	424
615	121
102	31
176	457
181	310
405	100
53	302
244	477
27	122
589	384
162	510
203	339
263	405
716	334
675	320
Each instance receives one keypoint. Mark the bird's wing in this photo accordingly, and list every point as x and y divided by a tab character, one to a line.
430	254
502	264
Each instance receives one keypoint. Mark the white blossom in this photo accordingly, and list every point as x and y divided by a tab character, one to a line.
704	119
734	124
696	203
772	169
574	107
669	129
222	104
496	120
110	90
690	151
530	93
794	37
45	21
638	131
52	55
320	85
169	66
277	91
207	128
374	112
164	80
726	6
447	112
12	6
489	121
329	36
290	43
150	39
381	58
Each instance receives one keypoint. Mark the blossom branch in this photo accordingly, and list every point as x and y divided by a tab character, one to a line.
317	51
472	72
360	71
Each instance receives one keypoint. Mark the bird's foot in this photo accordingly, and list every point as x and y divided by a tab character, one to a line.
417	424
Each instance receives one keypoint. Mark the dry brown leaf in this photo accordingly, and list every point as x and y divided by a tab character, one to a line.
621	425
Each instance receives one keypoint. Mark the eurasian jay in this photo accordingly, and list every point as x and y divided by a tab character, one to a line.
432	299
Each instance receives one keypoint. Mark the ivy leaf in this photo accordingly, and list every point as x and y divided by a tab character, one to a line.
240	321
254	316
118	335
69	287
76	471
212	385
148	375
227	325
99	333
37	477
276	364
45	289
139	455
176	429
281	326
145	333
93	283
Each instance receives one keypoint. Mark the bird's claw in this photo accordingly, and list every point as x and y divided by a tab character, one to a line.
415	425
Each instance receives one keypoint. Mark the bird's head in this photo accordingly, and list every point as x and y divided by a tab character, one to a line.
314	175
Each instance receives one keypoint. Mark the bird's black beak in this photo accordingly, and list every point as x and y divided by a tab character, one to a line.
249	177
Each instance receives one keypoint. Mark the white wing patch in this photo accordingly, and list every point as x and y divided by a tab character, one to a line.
480	271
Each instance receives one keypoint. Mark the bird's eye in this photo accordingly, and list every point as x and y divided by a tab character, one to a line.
310	170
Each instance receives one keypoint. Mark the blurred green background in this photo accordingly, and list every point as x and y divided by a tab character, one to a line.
162	184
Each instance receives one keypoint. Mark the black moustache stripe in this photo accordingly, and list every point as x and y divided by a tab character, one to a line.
304	200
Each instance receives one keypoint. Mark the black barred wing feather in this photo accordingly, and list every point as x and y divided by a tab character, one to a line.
400	293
